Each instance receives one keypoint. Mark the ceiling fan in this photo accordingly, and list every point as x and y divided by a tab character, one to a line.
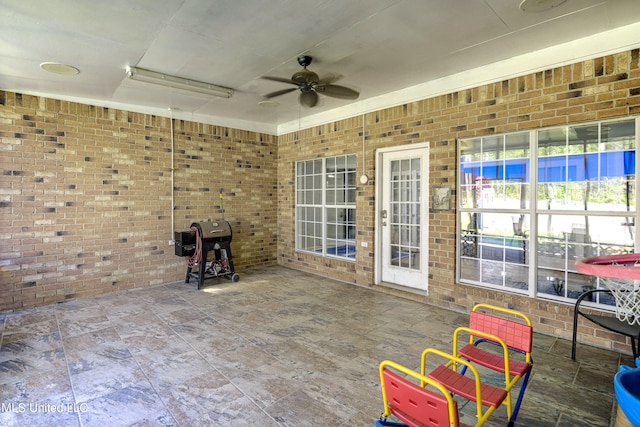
310	85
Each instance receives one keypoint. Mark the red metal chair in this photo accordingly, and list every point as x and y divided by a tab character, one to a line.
430	403
427	404
512	333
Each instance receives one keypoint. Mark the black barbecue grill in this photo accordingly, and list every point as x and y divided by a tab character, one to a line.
207	247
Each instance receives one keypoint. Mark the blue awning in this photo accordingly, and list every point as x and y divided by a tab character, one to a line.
563	168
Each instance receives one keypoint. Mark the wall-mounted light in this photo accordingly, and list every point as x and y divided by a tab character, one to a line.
178	82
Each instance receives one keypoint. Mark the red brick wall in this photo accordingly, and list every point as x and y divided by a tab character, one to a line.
85	197
596	89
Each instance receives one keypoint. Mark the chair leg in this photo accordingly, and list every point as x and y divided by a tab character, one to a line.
385	423
575	334
516	409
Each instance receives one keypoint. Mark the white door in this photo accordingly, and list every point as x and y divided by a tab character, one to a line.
402	217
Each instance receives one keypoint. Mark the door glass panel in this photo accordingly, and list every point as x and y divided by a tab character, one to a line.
404	221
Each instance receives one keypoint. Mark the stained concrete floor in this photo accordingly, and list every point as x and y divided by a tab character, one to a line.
277	348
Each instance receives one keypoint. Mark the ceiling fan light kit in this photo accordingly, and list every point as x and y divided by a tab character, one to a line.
310	85
174	82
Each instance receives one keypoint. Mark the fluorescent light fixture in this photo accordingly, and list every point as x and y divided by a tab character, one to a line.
178	82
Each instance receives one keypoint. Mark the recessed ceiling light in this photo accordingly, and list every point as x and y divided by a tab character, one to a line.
539	5
57	68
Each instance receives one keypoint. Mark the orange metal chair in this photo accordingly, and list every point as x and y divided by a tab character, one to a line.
512	333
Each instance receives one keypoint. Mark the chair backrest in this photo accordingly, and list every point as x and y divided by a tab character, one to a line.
417	406
516	335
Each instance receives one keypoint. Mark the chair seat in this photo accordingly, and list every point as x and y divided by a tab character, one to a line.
466	387
492	361
609	322
614	324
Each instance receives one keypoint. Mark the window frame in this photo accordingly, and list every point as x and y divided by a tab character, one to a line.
325	207
469	244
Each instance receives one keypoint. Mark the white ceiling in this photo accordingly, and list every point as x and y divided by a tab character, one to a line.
391	51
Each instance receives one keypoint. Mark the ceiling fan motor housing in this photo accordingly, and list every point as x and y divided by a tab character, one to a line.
305	76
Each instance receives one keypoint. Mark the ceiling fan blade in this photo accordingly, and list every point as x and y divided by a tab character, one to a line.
309	98
279	79
336	91
329	79
280	92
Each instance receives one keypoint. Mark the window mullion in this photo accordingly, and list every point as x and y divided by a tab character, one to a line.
324	207
533	213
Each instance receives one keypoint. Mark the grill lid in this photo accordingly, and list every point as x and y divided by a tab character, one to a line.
213	229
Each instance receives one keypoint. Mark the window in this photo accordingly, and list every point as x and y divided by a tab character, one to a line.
494	210
325	206
533	203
